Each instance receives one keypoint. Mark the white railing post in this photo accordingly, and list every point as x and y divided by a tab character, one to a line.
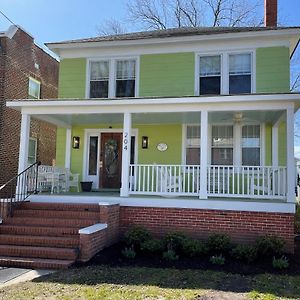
24	142
290	163
203	155
124	192
68	148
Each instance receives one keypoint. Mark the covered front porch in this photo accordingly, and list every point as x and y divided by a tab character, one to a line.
215	148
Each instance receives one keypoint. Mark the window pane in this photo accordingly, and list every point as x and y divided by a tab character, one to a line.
93	154
125	88
251	145
210	65
126	69
222	156
99	70
34	89
251	156
193	136
240	64
193	156
240	84
210	85
222	136
98	89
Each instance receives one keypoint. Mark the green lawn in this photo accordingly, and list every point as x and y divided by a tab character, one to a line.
102	282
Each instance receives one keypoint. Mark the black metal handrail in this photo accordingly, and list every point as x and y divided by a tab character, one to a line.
18	189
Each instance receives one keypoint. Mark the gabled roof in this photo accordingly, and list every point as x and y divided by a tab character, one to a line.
174	32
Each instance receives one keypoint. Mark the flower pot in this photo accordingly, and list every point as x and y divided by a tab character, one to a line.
86	186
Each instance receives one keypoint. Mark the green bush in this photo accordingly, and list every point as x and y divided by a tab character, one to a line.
152	246
244	253
192	248
268	246
174	241
129	253
297	220
219	243
280	263
170	255
135	236
217	259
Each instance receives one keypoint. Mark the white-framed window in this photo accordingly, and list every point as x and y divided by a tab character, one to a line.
222	145
34	88
112	77
32	149
225	73
240	73
210	75
99	79
192	145
251	145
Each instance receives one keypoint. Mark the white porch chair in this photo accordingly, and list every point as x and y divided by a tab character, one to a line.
166	182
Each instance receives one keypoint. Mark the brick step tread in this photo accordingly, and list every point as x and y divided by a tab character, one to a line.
50	222
39	230
35	263
60	206
47	241
47	213
38	252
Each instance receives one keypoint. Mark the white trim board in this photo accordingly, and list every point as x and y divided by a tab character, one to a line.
213	204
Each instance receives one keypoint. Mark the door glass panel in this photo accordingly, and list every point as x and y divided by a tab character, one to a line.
93	155
111	158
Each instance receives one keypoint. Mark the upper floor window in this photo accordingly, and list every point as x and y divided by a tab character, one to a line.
239	73
112	78
99	79
227	73
210	75
34	89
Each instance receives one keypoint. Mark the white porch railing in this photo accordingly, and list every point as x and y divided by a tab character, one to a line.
222	181
164	180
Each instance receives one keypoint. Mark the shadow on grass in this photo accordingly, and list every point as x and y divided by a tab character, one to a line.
277	285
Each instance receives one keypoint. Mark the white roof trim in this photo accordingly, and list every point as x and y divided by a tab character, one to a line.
10	32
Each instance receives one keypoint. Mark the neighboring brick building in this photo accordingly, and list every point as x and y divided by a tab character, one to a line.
23	62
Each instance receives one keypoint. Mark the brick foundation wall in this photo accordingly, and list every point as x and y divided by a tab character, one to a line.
18	57
243	227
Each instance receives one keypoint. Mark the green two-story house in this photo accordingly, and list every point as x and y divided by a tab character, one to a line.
184	125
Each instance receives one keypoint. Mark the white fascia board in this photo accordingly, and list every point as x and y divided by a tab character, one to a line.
182	39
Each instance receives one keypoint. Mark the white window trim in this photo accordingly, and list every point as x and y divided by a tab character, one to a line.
225	69
112	74
39	84
237	141
97	132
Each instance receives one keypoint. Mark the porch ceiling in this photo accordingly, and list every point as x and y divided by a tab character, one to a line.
161	118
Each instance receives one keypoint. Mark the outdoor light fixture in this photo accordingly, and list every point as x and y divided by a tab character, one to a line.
76	142
144	142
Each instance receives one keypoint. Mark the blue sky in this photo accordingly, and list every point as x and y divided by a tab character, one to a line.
56	20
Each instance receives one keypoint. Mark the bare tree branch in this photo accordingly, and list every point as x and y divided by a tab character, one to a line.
110	27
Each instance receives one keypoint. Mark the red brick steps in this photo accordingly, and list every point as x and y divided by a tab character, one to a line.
45	235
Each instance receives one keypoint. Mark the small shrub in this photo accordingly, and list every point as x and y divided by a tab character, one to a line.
297	220
192	248
170	255
219	243
244	253
152	246
280	263
135	236
174	241
268	246
129	253
217	260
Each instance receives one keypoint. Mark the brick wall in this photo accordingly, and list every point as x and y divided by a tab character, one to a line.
242	226
18	57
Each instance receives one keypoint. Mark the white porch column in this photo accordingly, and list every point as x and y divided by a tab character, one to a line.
290	163
24	142
124	192
203	155
68	148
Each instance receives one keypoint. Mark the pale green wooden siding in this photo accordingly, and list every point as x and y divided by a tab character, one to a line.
282	144
272	70
60	146
169	74
72	78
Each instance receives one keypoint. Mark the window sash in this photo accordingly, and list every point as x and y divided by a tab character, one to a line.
240	64
99	71
34	88
192	145
125	69
251	145
210	66
222	136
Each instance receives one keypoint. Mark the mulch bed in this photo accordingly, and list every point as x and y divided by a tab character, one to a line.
113	257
